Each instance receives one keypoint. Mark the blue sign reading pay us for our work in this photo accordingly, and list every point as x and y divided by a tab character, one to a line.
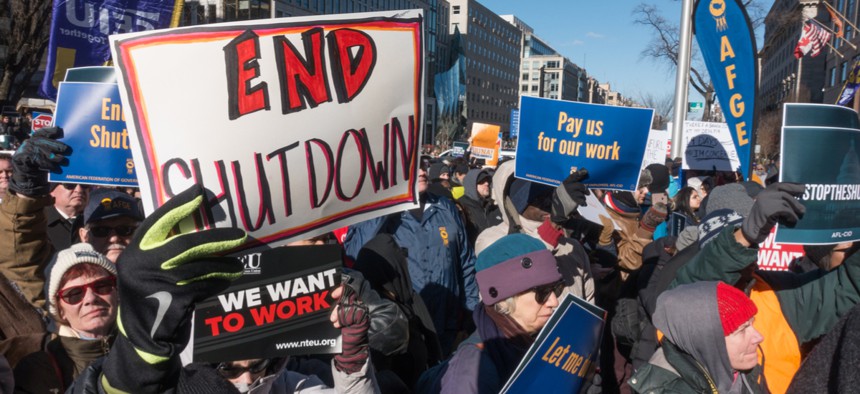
93	125
558	137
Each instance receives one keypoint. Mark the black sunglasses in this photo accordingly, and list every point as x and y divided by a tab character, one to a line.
542	292
72	186
105	231
230	371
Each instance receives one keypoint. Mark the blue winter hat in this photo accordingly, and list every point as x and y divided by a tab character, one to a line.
514	264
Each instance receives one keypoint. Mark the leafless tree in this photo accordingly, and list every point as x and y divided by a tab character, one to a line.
662	105
24	28
665	45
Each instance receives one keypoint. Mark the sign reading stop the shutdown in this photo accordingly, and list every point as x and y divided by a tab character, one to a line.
40	121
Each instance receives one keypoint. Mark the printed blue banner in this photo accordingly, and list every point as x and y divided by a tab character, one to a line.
93	123
727	42
819	149
80	30
564	353
558	137
515	123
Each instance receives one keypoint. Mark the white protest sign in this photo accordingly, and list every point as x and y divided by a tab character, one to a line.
655	148
708	145
295	125
594	209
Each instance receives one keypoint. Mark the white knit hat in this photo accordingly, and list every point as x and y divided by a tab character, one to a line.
78	253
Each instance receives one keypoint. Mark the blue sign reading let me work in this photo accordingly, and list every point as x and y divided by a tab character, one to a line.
558	137
94	126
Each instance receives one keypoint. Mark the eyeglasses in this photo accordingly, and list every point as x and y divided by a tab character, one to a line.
542	292
75	294
105	231
72	186
231	371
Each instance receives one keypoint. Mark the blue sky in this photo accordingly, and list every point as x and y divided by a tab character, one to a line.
602	37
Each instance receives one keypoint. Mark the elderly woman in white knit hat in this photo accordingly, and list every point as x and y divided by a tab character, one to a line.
83	302
519	283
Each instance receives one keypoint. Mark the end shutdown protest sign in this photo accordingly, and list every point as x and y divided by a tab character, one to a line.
821	149
280	305
557	137
94	127
564	352
296	125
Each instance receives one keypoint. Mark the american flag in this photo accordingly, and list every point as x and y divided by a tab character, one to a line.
811	41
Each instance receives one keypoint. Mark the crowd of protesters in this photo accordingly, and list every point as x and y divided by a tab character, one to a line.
446	297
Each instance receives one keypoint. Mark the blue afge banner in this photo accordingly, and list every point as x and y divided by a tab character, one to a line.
728	46
564	352
93	125
558	137
80	30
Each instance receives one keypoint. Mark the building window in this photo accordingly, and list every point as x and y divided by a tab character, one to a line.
455	10
844	72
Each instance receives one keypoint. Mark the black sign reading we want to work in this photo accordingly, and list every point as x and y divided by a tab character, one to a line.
280	306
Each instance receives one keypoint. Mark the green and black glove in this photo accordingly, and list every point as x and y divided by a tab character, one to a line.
35	158
161	277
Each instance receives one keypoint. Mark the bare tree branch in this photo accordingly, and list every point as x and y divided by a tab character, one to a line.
25	42
665	44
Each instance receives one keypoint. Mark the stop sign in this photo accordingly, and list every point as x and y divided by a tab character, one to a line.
41	120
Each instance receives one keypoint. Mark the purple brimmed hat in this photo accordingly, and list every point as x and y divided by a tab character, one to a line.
512	265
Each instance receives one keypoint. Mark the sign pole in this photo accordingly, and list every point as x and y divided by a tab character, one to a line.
683	77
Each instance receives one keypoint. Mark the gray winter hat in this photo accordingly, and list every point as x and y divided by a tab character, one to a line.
730	196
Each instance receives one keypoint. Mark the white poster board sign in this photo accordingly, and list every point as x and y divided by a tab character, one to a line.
296	126
594	209
708	146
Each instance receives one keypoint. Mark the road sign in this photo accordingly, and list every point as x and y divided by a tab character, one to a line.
696	106
41	120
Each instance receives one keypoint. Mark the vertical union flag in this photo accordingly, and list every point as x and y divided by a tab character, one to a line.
727	43
811	41
80	30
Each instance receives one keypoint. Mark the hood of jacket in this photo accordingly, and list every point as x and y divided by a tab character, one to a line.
384	265
689	317
470	183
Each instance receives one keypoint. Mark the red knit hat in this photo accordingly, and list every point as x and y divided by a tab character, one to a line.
734	306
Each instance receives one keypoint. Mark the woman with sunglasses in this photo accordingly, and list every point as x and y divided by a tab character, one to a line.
519	284
83	302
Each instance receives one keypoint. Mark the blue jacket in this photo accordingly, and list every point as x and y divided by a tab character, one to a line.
441	260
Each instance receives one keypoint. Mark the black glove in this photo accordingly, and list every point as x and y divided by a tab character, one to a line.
37	156
775	204
569	196
354	320
161	277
